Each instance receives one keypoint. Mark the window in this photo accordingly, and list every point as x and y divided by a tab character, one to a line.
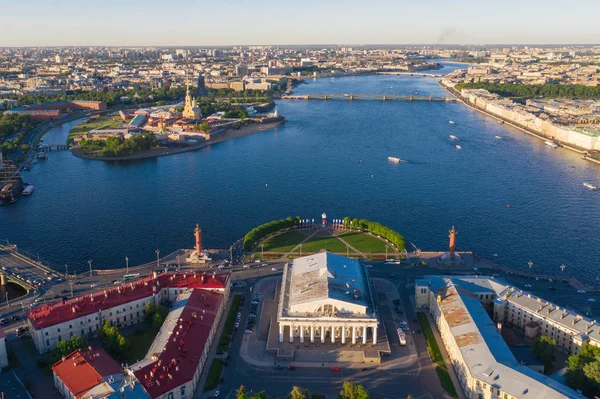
70	326
71	333
423	290
46	333
170	395
59	338
47	342
58	330
182	391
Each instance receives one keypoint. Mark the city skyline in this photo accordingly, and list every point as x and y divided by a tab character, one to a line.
150	23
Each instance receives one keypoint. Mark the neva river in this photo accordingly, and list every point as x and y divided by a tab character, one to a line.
515	196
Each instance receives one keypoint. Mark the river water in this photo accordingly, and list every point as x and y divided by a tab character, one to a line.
513	197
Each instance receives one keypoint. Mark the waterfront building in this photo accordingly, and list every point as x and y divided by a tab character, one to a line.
484	364
121	306
326	296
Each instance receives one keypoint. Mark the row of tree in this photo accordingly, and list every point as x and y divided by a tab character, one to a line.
113	340
118	146
11	124
110	97
350	390
264	230
545	90
376	228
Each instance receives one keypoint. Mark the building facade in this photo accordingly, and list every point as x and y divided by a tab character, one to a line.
326	297
484	364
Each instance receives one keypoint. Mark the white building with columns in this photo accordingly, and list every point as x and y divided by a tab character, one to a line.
326	297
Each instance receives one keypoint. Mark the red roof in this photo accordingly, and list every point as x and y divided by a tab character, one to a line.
83	369
177	362
51	314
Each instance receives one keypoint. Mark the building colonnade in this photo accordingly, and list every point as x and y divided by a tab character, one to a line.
351	332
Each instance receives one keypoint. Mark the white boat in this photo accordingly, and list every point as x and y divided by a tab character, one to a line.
500	122
550	143
396	160
451	122
590	186
458	147
498	137
28	189
453	137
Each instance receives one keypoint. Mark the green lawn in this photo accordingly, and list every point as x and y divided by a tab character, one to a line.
140	342
103	121
317	243
229	324
436	356
283	242
214	375
364	242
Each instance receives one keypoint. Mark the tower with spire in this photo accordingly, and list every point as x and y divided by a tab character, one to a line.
190	109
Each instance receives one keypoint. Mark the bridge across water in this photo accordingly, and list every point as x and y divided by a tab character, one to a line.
351	97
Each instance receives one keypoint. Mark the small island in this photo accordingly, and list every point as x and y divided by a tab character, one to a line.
165	130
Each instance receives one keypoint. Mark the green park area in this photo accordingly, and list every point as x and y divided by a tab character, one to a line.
283	242
105	122
365	243
214	375
324	241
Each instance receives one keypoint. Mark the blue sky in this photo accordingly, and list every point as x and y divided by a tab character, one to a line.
229	22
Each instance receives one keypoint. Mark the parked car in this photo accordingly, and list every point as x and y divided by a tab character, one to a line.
248	332
291	367
216	394
3	321
335	368
93	285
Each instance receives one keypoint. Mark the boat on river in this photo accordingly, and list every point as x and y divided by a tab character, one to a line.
453	137
28	190
451	122
551	143
396	160
498	137
458	147
590	186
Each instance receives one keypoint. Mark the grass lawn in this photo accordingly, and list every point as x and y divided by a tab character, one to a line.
229	324
282	242
214	375
317	243
140	341
364	242
103	121
436	356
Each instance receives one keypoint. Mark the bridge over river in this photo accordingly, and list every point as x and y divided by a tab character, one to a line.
351	97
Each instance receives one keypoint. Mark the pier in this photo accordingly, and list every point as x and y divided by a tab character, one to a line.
352	97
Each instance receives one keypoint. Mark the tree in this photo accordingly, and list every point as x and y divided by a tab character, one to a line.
544	349
241	393
299	393
65	347
205	126
350	390
582	373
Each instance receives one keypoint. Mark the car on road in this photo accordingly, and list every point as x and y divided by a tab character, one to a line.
335	368
279	367
237	324
248	332
396	301
291	367
581	291
216	394
118	282
16	318
274	269
20	331
93	285
403	325
3	321
64	291
528	286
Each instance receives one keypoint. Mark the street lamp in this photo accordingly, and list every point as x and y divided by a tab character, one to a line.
157	258
127	265
178	264
90	263
300	250
262	250
66	271
347	251
386	250
7	305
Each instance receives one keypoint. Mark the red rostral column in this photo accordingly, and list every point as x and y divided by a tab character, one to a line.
452	241
198	234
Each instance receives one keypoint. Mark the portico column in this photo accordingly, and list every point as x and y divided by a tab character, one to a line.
353	335
301	334
343	335
364	334
375	335
280	332
312	334
322	334
291	333
332	334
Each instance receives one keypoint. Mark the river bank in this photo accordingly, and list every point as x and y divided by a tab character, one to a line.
225	135
524	129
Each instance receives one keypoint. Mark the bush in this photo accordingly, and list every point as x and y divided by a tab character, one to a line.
377	228
257	233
